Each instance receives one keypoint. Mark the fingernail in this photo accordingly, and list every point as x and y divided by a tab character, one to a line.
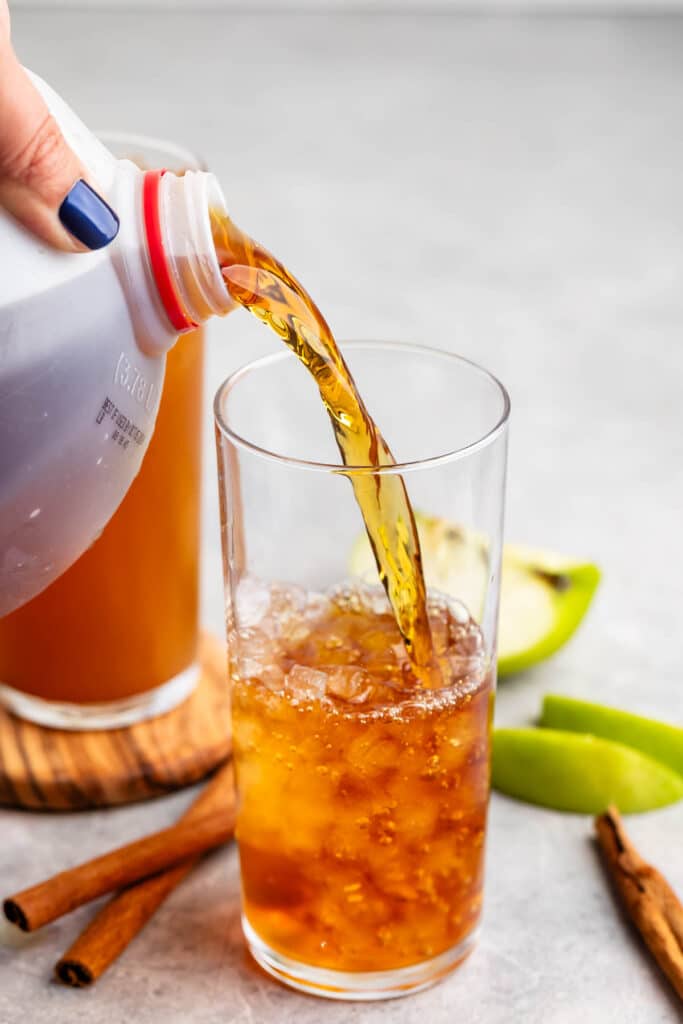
87	217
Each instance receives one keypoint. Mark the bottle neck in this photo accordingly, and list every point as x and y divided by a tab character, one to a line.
180	246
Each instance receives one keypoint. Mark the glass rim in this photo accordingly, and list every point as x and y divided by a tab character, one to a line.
185	157
339	469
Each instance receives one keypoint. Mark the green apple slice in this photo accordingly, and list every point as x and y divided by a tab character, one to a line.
568	771
659	740
543	599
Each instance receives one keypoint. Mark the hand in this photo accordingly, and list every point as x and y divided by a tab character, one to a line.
42	182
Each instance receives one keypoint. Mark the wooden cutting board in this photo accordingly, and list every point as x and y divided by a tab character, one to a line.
58	770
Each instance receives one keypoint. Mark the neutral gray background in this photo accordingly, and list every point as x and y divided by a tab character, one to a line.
389	6
510	189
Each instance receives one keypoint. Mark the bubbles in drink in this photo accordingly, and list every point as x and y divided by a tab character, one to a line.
363	792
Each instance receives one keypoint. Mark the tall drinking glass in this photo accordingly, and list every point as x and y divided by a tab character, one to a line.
362	799
114	639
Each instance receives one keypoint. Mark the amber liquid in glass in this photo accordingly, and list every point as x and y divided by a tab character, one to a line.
123	619
361	725
363	806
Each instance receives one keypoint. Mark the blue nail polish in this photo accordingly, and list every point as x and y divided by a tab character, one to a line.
87	217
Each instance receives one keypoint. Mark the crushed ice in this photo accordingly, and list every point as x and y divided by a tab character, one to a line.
274	618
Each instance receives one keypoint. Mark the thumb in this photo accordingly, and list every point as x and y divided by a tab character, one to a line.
42	183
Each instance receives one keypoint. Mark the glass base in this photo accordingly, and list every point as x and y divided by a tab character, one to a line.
356	985
107	715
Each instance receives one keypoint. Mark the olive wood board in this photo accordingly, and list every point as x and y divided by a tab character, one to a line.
59	770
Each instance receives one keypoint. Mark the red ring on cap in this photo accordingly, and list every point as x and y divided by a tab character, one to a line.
157	256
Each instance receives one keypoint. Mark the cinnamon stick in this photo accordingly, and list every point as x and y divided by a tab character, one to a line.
649	900
120	920
62	893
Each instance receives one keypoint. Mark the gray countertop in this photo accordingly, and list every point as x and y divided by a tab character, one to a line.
510	189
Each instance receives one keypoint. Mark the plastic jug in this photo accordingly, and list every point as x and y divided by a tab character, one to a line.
83	340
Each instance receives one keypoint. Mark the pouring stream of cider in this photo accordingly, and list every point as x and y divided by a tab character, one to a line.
262	285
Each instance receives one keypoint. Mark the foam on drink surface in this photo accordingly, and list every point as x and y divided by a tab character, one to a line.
363	793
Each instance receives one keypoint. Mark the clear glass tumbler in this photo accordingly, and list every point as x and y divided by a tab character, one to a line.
362	802
114	640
